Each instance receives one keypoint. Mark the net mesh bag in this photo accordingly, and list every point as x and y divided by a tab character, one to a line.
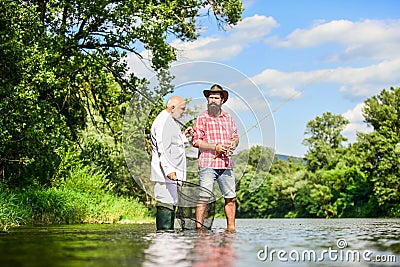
190	197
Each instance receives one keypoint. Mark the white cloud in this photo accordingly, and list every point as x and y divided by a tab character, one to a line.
355	114
248	3
367	81
356	123
355	83
367	39
216	48
374	40
282	85
252	105
222	47
377	41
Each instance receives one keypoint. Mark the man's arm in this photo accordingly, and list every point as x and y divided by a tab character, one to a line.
164	142
203	145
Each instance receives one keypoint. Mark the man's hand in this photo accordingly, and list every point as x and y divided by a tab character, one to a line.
172	176
189	131
233	144
220	149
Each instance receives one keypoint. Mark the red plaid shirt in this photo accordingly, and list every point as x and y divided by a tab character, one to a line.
216	130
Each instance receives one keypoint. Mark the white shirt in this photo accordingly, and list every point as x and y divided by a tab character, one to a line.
168	149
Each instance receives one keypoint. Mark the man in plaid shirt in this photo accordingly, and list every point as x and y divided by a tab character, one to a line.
216	135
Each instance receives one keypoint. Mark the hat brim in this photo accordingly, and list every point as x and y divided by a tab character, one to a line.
224	93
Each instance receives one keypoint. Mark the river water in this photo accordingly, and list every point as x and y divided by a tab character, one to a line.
257	242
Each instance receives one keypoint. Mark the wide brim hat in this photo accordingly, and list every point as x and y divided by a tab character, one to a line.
216	89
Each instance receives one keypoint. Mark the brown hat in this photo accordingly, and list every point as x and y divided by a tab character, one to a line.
216	88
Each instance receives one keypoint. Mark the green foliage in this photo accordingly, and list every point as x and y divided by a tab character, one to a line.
54	205
30	129
353	195
258	204
11	213
380	149
255	196
325	142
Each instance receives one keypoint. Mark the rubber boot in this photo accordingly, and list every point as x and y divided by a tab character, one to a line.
165	218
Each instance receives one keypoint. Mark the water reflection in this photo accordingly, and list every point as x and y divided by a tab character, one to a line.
190	248
214	249
74	245
167	249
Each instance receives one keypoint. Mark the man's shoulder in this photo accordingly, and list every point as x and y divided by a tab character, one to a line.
161	118
163	115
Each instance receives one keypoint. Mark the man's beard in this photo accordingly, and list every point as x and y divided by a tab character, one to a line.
213	110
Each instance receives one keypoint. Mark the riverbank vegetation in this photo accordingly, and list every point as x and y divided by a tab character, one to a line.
84	195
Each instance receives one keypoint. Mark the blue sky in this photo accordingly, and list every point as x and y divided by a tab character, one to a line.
301	58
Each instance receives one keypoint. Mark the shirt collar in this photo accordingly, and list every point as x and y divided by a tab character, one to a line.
223	114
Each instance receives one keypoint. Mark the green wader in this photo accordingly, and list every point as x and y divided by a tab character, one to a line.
165	216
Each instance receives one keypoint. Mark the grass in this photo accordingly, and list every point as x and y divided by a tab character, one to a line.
67	206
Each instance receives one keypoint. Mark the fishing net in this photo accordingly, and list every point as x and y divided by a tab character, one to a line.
195	207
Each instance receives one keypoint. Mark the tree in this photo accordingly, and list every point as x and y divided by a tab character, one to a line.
254	195
325	142
380	149
61	59
353	196
30	128
276	194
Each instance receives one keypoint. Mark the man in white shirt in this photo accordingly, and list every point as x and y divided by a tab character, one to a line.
168	163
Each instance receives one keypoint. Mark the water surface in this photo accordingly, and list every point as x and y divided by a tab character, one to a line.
257	242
